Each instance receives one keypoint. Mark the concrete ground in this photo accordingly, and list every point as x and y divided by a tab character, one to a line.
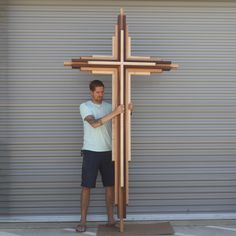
182	228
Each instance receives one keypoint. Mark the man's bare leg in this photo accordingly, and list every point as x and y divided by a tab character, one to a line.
84	203
110	204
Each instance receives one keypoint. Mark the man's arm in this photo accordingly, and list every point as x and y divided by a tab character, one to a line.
95	123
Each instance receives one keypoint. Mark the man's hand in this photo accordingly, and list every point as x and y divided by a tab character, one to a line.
131	106
120	109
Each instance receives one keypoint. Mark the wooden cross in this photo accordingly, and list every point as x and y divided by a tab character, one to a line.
121	65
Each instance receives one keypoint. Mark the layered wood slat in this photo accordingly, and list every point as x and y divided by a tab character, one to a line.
121	66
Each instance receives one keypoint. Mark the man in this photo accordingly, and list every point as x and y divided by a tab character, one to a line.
97	115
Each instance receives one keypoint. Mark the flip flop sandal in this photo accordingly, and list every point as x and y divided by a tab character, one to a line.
80	228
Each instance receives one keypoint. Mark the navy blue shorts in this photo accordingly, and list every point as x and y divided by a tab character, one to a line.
94	162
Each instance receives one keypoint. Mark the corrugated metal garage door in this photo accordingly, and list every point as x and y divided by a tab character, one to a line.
184	126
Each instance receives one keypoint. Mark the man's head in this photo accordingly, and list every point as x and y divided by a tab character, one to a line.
97	91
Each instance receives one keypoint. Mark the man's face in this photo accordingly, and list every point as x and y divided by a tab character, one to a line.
97	94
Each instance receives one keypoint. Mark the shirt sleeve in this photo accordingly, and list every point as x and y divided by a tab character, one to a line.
84	111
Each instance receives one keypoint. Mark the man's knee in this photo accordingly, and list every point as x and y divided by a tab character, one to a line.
86	189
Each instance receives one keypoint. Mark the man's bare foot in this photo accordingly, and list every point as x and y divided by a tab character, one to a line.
111	223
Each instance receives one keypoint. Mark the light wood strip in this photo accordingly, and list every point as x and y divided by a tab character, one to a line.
113	47
115	44
87	57
141	73
103	72
115	132
117	63
127	41
139	58
122	115
114	128
128	115
127	133
121	209
109	70
145	70
68	63
105	57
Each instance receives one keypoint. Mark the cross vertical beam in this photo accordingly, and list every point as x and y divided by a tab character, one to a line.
121	65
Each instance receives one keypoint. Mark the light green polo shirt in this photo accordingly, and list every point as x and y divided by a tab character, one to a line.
96	139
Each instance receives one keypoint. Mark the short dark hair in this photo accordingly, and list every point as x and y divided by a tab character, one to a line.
94	84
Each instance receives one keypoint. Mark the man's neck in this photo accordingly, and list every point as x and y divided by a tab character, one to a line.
95	102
